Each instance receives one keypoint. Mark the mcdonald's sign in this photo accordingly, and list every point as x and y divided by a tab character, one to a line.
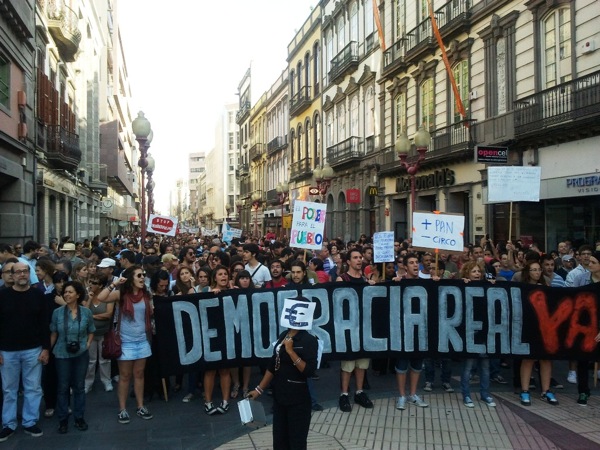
373	190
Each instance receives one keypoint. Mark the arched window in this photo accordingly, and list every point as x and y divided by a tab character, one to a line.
301	149
354	131
501	76
293	146
427	113
556	52
329	50
307	140
461	76
317	141
292	83
369	18
299	77
400	114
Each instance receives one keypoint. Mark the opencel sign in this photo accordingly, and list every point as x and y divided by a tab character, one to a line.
309	219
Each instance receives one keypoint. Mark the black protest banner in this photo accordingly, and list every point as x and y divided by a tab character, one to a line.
420	317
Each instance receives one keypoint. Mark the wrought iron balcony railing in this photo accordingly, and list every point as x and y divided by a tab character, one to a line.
300	101
62	149
345	152
301	169
344	62
279	143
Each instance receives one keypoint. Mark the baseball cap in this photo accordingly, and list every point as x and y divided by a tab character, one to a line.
567	257
107	262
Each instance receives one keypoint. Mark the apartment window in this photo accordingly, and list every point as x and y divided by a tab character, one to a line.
317	141
501	74
329	49
400	18
400	114
354	22
370	112
427	113
307	71
341	122
301	148
461	76
556	52
316	68
354	116
4	82
292	84
369	18
307	139
231	142
329	130
341	29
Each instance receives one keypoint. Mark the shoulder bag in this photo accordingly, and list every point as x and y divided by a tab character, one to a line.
111	346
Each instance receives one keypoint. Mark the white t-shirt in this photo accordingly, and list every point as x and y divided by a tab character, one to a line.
260	275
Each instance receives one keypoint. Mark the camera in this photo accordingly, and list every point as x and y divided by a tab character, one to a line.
73	347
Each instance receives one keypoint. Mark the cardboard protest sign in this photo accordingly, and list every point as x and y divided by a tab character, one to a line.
162	225
441	231
308	225
514	184
383	247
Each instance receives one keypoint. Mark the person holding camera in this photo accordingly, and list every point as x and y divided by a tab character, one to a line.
71	334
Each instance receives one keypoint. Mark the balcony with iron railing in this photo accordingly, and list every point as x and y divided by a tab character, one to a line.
245	188
393	57
272	197
344	62
62	150
450	143
63	25
420	41
279	143
453	18
301	169
256	151
300	101
346	152
570	105
242	170
98	178
243	113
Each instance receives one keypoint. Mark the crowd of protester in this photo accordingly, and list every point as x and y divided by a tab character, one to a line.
58	301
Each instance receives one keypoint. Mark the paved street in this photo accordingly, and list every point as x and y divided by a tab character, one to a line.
445	424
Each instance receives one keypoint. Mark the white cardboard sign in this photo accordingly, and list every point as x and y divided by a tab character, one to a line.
514	184
308	225
383	247
441	231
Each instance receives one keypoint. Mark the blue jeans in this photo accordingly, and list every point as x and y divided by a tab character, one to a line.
430	369
483	364
71	374
25	364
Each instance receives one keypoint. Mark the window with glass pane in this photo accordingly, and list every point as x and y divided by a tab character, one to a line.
401	18
427	105
354	22
370	112
556	30
4	82
340	34
341	120
461	77
369	18
354	117
329	130
400	114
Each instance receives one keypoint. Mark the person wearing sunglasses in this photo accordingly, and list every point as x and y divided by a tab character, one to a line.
134	307
102	313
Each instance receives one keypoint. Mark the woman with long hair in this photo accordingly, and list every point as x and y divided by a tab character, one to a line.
80	273
44	269
185	282
471	271
219	283
135	310
203	279
532	274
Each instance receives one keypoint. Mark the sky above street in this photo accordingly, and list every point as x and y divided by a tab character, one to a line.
185	60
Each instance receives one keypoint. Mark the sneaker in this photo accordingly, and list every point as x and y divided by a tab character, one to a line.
555	384
223	408
428	386
63	427
209	408
87	389
447	387
489	401
316	407
499	379
416	400
550	398
188	398
345	405
532	385
115	378
362	399
572	377
108	387
81	425
401	403
6	433
123	417
49	413
34	431
583	399
468	402
144	413
525	398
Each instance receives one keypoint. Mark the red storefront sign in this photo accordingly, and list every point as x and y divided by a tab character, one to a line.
352	196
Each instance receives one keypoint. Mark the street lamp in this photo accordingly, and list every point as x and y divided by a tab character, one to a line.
150	183
422	139
323	177
283	194
143	134
256	202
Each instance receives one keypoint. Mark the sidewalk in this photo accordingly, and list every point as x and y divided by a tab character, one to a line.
448	424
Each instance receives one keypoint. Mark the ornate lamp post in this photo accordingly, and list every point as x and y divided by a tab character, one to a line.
150	183
256	202
228	209
143	135
422	139
284	195
323	177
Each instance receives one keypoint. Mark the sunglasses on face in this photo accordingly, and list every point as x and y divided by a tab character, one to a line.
140	275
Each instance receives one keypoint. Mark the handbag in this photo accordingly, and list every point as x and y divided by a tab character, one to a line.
111	345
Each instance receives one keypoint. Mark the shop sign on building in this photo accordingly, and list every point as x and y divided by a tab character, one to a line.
491	155
352	196
437	179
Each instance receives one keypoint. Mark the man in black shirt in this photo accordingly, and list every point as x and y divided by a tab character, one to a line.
24	347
